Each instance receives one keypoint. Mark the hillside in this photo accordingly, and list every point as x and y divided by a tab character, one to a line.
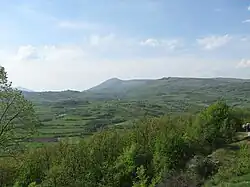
24	89
139	132
118	86
118	103
204	91
175	88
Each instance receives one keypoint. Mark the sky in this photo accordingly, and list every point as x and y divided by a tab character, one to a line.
77	44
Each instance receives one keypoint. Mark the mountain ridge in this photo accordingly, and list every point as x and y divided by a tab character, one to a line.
164	89
118	80
24	89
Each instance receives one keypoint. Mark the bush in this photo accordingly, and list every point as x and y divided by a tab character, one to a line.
154	150
8	171
238	165
214	127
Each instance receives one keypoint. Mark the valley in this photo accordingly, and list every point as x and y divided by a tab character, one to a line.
170	131
147	93
120	103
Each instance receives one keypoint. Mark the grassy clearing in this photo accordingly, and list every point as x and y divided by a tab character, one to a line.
234	162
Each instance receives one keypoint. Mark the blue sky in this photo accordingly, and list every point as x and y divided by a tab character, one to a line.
76	44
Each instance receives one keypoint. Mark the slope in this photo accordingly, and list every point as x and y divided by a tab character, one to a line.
117	103
191	89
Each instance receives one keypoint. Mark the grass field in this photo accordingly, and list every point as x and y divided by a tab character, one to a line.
118	104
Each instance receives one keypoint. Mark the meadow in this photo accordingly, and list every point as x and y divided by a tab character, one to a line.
119	103
175	132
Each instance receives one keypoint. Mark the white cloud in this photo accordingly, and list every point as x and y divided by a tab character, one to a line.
173	44
150	42
244	63
77	67
248	8
60	67
27	52
77	25
246	21
97	40
168	44
213	42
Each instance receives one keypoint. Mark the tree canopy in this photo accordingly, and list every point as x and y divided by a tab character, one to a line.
17	116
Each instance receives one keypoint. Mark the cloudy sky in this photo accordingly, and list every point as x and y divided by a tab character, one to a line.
76	44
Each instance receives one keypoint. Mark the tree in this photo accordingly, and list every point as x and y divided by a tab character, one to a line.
17	116
215	126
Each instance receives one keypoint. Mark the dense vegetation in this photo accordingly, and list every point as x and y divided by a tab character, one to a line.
200	147
156	151
117	103
17	116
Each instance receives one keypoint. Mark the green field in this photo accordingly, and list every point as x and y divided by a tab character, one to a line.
118	104
170	132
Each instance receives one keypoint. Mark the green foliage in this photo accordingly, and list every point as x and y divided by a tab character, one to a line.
238	166
8	171
132	145
215	126
33	184
234	167
142	178
118	103
196	90
34	166
170	150
17	116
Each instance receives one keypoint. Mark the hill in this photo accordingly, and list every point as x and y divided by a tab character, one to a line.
201	90
171	87
118	103
116	85
24	89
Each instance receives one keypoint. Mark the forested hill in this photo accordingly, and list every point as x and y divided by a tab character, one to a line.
198	90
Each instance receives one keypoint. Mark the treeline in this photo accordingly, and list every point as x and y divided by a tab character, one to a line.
166	151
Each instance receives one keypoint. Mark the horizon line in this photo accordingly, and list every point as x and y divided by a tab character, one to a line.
74	90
